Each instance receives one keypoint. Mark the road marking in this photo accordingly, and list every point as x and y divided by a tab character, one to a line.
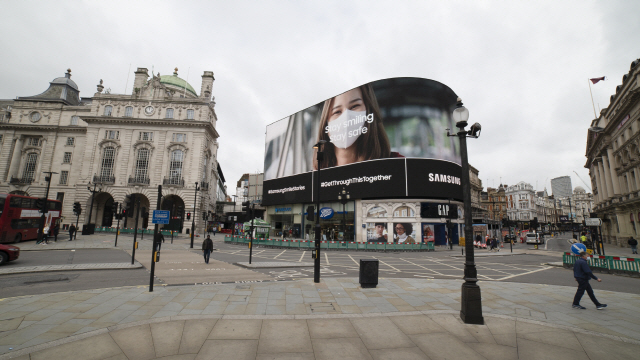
384	263
424	276
326	257
302	256
283	251
422	267
526	273
354	260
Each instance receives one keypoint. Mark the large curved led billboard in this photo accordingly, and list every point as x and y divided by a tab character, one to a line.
384	139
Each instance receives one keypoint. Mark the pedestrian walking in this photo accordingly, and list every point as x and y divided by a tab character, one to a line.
214	230
45	236
582	273
72	231
207	247
56	231
159	239
634	245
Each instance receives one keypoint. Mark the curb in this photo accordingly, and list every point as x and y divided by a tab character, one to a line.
49	268
273	265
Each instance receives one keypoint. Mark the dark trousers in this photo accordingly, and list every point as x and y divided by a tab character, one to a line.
207	253
582	286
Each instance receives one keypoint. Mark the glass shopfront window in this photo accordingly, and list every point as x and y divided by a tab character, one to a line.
336	223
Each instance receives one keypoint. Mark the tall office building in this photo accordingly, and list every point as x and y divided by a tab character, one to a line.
561	187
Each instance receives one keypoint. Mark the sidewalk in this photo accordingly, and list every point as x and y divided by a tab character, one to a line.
401	318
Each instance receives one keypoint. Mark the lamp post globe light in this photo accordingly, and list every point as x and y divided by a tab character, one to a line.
344	197
471	301
316	261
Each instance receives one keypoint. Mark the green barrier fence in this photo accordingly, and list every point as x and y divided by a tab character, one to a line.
611	263
332	245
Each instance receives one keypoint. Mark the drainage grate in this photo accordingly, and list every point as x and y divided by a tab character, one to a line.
323	307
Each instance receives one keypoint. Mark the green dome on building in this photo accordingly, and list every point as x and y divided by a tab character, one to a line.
174	80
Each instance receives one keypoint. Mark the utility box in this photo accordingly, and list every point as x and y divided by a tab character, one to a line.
88	229
369	273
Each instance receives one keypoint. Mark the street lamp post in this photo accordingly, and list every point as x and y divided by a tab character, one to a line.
344	197
193	219
90	229
471	301
44	208
316	261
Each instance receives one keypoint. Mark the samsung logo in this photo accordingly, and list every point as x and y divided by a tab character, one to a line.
444	178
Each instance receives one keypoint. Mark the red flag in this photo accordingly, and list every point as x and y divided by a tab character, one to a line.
595	80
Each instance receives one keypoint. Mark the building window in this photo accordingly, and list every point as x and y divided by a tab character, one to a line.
179	138
108	159
60	197
74	120
30	167
142	165
169	113
145	136
107	110
64	177
71	141
175	166
112	134
190	114
128	111
66	159
33	141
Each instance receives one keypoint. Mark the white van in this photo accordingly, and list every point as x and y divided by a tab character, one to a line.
534	238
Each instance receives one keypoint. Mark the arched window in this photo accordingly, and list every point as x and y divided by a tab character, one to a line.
107	110
128	111
168	114
142	166
175	165
377	211
108	159
30	167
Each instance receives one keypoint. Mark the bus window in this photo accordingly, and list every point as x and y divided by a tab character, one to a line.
15	202
2	199
28	203
54	205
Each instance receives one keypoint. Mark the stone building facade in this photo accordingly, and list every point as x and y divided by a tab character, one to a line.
613	160
521	205
164	132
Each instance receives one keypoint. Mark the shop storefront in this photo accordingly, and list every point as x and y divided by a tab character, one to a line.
284	218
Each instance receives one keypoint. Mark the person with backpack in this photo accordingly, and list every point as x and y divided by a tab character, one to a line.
72	231
634	245
207	248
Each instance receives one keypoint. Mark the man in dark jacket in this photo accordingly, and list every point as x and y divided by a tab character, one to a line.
634	245
582	273
72	231
207	247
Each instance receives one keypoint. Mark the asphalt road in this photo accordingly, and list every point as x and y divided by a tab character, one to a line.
60	281
429	265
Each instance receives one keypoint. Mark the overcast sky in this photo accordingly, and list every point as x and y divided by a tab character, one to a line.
521	68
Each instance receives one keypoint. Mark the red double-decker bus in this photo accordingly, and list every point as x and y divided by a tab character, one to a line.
20	218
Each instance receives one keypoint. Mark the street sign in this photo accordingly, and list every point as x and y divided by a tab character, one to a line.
160	217
592	222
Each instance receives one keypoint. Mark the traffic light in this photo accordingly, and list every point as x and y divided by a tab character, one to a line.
114	208
40	204
204	215
127	204
77	209
310	213
448	224
246	206
188	215
145	213
181	212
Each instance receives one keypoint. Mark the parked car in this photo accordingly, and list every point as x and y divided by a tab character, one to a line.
8	253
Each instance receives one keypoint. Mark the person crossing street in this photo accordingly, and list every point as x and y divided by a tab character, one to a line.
582	273
207	248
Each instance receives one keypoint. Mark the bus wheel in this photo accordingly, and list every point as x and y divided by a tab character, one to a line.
18	238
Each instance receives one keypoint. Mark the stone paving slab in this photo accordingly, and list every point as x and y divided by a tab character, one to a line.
32	323
273	264
70	267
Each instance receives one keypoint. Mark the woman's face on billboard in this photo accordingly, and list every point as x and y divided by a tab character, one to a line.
399	229
351	100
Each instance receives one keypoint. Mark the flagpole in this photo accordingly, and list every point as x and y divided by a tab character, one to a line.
592	104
